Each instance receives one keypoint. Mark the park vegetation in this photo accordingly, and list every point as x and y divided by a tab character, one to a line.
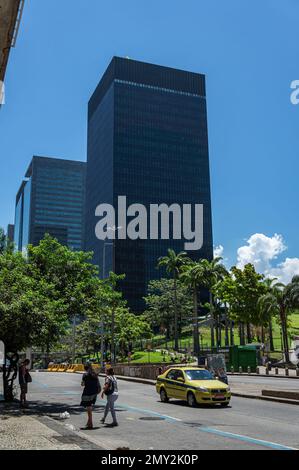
50	289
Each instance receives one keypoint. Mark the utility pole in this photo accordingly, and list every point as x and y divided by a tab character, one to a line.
74	340
102	345
113	229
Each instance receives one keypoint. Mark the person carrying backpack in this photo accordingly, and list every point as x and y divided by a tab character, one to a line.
111	392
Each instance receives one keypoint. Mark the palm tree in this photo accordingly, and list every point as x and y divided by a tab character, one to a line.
193	278
213	272
203	274
280	301
268	282
173	263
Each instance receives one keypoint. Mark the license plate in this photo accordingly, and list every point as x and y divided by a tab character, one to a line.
219	397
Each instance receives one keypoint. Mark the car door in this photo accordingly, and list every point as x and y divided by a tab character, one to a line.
170	383
179	385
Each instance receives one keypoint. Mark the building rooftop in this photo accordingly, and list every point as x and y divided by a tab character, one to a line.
134	71
51	161
10	16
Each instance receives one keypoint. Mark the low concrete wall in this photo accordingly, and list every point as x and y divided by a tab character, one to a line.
149	371
281	394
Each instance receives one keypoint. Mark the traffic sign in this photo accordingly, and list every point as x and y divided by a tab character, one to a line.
2	353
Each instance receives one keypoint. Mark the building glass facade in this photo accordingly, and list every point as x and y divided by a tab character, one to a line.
51	200
147	141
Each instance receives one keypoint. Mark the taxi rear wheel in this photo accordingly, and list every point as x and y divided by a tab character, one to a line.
163	396
224	405
191	400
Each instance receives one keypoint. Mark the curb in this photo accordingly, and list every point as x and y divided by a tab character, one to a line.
63	430
262	375
260	397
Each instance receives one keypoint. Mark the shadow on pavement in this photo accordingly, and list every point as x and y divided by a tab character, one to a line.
42	408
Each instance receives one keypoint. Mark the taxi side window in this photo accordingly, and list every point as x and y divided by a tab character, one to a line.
179	375
172	375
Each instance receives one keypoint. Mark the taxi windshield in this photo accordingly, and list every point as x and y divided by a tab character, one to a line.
198	375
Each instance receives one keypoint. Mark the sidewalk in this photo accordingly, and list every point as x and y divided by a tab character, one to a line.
25	432
262	369
21	431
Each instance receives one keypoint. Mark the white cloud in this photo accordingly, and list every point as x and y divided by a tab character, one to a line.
261	251
285	271
218	251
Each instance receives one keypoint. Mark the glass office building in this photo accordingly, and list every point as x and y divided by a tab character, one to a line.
51	200
148	141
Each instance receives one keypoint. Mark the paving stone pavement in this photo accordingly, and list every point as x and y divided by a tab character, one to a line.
25	432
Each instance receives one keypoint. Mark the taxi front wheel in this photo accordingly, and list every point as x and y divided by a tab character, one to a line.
191	400
163	396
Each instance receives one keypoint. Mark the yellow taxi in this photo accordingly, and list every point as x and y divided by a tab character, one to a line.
194	385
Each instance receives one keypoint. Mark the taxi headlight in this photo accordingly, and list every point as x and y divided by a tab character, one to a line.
202	389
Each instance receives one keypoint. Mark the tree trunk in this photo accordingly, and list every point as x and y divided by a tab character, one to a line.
212	322
263	335
195	332
10	373
271	336
226	328
232	336
219	336
249	339
176	337
284	334
112	337
242	334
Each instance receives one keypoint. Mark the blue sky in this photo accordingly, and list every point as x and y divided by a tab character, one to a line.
248	49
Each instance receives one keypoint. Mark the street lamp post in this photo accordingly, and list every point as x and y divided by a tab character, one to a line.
113	229
102	345
74	340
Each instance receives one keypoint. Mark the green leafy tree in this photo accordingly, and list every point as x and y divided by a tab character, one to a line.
173	264
201	275
241	292
111	317
40	294
29	313
160	305
2	241
130	328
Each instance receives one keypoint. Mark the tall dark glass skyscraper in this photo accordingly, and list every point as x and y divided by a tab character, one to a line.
148	141
51	200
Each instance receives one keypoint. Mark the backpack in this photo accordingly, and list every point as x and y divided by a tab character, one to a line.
111	388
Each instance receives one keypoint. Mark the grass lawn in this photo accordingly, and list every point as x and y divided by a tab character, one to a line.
142	357
187	339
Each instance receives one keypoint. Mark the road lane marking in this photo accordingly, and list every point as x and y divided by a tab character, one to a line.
217	432
252	440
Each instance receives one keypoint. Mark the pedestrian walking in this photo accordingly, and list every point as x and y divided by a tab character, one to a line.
111	392
222	376
92	388
24	380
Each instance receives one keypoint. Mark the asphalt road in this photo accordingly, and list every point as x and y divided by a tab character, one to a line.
146	423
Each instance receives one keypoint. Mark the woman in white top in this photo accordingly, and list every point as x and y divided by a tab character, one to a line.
111	391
